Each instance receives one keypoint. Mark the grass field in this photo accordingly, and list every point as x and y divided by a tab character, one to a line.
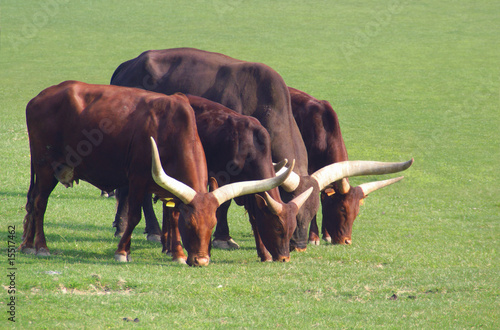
407	78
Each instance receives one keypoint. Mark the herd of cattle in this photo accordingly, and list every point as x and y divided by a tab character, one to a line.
198	129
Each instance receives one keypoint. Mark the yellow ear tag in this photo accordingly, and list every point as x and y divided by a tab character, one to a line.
329	191
361	201
169	202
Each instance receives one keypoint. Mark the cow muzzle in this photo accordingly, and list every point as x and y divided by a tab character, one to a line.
342	241
282	259
198	261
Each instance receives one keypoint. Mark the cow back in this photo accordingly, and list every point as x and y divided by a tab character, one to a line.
103	133
319	126
252	89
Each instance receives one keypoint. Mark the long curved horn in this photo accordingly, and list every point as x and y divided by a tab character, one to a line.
236	189
337	171
301	199
184	192
372	186
280	165
274	206
292	182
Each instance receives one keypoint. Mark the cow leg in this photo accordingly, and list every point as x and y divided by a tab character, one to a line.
135	198
120	222
171	238
314	232
152	227
262	252
324	232
222	240
166	236
39	191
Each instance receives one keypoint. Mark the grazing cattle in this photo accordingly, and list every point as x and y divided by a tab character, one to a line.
238	148
319	125
252	89
101	134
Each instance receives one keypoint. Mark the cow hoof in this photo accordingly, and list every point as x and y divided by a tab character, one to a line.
327	239
122	258
314	242
154	238
230	244
42	252
180	260
28	250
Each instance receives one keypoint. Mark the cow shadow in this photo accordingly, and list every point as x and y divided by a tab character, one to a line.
69	243
74	247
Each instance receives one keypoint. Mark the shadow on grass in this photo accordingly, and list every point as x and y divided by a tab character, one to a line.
57	195
63	237
103	244
13	194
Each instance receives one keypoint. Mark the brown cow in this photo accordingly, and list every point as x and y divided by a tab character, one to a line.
238	148
101	134
319	125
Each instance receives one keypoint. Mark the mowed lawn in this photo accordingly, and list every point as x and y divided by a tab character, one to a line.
407	78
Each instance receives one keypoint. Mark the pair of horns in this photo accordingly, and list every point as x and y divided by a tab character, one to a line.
342	170
186	194
276	207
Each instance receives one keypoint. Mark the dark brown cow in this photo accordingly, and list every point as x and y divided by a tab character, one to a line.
319	125
253	89
101	134
238	148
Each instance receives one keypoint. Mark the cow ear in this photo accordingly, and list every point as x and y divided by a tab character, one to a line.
261	202
361	201
329	191
212	184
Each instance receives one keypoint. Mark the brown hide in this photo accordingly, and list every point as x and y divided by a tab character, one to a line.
319	126
101	134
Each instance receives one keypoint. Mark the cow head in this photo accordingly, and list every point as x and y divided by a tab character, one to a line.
341	204
279	222
341	201
198	208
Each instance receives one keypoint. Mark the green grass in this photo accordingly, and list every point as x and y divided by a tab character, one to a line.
407	79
